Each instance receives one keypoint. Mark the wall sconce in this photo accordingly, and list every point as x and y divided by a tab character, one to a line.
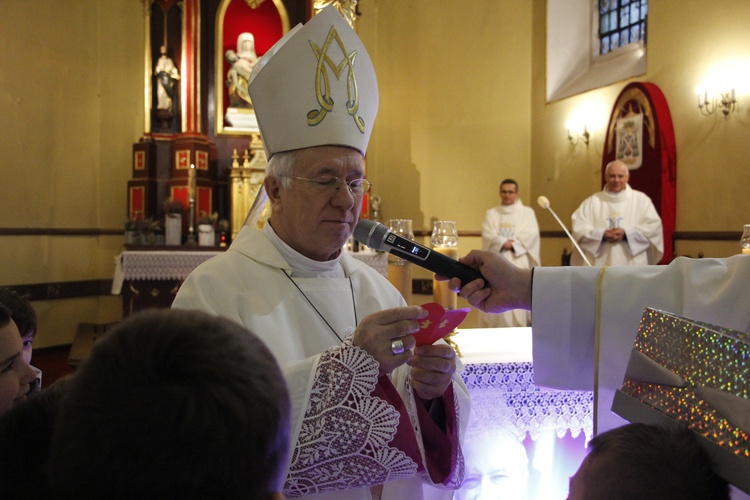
724	101
575	134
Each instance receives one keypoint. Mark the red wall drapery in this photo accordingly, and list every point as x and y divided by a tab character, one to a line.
657	176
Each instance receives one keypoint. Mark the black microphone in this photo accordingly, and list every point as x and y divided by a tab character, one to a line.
378	237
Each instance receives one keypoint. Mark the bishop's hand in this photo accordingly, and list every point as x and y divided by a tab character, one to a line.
387	336
432	369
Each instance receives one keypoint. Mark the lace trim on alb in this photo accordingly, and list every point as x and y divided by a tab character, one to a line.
343	441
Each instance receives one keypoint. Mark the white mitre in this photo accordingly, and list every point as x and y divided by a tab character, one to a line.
316	86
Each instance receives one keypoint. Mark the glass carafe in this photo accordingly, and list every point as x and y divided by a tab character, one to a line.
745	240
444	239
399	270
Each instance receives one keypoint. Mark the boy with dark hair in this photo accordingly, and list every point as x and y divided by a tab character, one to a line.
647	462
24	316
173	404
15	374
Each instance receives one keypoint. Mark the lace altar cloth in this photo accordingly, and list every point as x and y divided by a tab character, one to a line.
504	395
157	265
170	265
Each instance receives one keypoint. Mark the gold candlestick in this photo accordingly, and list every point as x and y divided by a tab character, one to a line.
191	239
191	182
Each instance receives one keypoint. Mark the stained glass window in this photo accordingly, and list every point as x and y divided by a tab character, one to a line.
621	22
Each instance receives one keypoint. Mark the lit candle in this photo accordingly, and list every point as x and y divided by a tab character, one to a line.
191	183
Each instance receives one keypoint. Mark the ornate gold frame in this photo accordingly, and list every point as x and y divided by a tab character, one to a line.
219	67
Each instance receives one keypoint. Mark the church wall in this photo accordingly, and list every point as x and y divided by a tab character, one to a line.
71	88
453	121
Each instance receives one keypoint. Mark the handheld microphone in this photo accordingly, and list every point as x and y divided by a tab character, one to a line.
544	203
378	237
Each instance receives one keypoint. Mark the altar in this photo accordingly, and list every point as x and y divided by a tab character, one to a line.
523	441
151	278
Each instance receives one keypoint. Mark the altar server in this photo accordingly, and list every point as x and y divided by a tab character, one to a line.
511	230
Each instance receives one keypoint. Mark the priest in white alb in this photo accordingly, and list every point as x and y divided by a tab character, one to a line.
618	226
373	416
510	229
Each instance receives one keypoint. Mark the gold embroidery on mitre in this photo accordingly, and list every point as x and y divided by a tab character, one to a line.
315	116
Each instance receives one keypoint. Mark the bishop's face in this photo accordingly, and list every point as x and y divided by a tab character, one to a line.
314	218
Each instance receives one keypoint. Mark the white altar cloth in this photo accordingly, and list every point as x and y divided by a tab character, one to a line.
157	265
533	437
176	265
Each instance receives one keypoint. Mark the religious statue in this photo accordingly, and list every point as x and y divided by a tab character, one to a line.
243	61
167	76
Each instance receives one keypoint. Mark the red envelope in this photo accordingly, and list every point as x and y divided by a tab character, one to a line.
438	323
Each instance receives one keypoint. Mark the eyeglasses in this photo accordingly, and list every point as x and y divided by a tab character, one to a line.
330	183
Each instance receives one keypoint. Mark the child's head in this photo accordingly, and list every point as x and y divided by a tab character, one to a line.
23	315
15	372
648	462
183	404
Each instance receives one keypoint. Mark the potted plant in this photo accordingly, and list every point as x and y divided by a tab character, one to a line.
147	229
131	229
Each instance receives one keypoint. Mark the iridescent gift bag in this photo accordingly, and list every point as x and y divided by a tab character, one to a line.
688	373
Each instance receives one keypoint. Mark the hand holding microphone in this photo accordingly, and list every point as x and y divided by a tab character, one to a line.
378	237
544	203
505	287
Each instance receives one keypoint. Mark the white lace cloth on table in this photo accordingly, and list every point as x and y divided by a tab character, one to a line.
343	441
156	265
505	393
